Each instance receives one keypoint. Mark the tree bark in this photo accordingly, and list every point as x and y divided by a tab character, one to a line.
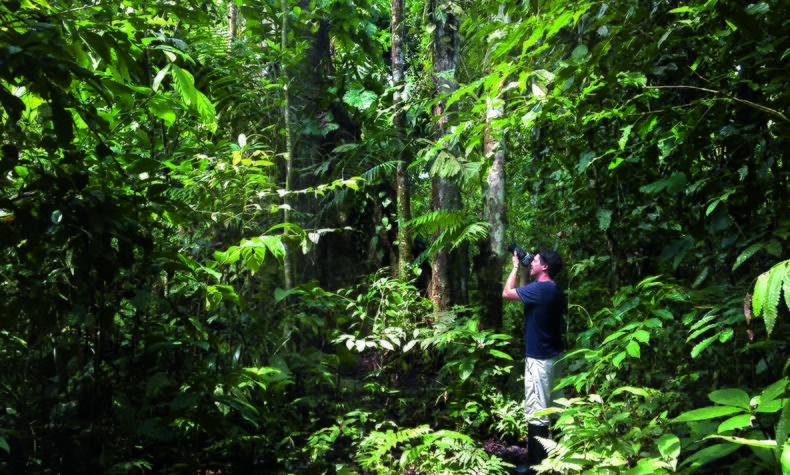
288	274
450	268
234	24
492	254
405	255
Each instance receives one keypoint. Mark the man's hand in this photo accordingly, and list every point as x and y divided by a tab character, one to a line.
516	263
509	292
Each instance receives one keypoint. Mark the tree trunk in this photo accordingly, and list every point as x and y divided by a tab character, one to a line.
234	24
288	274
450	268
492	255
405	256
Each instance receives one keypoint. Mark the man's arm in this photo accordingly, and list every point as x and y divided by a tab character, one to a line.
509	292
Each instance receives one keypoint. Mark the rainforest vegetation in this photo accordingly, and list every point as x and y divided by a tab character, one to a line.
268	236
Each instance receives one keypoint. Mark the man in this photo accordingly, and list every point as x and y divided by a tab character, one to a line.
544	308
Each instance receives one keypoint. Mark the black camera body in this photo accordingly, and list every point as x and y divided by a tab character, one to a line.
524	257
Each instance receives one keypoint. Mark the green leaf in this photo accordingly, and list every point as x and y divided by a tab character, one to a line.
669	448
252	256
757	8
386	344
783	426
624	137
707	413
673	184
467	366
632	390
785	459
642	336
184	84
715	202
274	243
164	109
768	407
760	291
628	78
709	454
500	354
159	77
749	252
143	165
700	347
633	349
647	466
4	445
409	345
227	292
618	359
359	98
604	218
579	53
731	397
740	421
765	444
613	336
774	391
776	278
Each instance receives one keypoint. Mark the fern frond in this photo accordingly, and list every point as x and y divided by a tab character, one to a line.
453	228
768	290
381	172
777	277
446	165
453	236
375	446
432	222
472	233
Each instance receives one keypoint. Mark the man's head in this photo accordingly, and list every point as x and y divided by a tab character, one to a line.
551	259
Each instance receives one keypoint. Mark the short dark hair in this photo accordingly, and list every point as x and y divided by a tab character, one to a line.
552	259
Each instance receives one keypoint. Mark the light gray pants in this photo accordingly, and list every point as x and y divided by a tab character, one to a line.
539	378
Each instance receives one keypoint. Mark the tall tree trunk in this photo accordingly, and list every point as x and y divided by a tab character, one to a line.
492	254
450	268
335	259
405	256
288	274
234	24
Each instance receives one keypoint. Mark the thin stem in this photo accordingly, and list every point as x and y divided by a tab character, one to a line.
743	101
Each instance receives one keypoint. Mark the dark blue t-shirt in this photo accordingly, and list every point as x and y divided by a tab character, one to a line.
544	314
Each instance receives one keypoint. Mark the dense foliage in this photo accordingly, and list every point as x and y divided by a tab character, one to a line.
166	167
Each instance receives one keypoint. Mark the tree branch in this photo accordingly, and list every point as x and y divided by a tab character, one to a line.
743	101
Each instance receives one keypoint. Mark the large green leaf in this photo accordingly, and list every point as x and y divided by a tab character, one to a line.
740	421
184	84
731	397
783	427
707	413
669	448
673	184
709	454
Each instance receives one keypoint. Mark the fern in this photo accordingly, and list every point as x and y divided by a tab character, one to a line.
380	173
378	444
421	449
767	292
453	228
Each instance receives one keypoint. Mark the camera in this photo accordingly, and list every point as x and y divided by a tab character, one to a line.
524	257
